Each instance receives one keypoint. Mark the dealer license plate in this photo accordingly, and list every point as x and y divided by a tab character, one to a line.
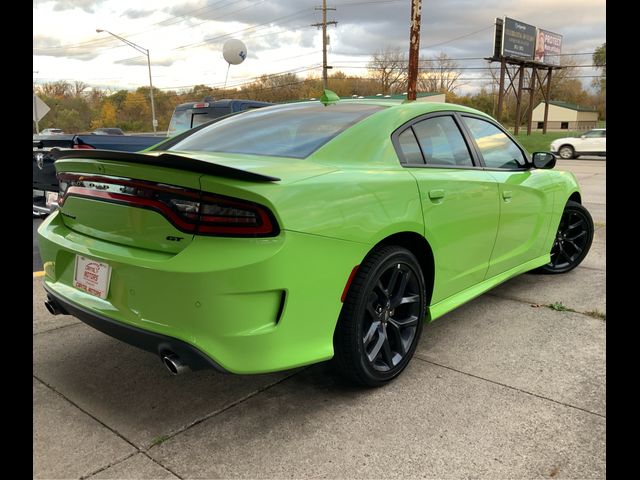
92	276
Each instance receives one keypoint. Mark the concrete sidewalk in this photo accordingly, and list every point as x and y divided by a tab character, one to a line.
503	387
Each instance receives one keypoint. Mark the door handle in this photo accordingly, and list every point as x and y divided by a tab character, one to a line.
436	194
507	194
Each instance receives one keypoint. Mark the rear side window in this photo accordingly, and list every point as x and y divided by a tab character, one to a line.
595	134
497	149
442	143
284	131
410	148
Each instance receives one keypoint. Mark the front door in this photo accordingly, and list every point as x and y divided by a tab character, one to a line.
525	197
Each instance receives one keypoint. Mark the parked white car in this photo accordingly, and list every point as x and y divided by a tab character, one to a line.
592	142
52	131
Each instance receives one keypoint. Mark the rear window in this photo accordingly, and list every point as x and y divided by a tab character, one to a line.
180	121
286	131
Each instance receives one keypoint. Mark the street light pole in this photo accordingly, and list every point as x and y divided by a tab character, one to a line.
35	104
145	51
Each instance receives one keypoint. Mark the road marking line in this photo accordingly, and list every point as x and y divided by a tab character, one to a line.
38	274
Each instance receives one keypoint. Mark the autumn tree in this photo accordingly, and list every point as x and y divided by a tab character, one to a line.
107	116
388	68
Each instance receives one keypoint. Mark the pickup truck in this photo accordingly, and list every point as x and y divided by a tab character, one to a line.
185	117
191	114
45	183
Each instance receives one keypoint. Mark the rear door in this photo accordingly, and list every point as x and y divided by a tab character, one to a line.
459	200
525	196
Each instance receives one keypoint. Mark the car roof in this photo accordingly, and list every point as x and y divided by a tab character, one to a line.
425	107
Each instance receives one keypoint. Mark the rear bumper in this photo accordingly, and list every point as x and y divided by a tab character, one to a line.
248	305
144	339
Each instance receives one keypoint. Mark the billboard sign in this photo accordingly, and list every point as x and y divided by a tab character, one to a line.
518	39
548	47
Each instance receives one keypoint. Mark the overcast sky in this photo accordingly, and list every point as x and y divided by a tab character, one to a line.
185	38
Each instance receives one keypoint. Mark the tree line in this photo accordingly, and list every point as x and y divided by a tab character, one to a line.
77	107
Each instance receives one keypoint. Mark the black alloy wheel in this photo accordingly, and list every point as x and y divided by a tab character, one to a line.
572	241
382	317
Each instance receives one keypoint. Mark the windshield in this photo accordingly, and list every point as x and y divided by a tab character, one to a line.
295	130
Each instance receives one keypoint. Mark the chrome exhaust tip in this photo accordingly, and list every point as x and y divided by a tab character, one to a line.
52	307
173	364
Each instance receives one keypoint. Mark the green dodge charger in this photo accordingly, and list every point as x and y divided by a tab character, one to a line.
304	232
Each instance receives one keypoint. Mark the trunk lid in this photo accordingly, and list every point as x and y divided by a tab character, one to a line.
100	212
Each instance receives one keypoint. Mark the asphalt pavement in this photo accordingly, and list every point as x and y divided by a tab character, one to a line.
502	387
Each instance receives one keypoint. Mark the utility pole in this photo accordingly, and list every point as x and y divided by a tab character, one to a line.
414	48
324	24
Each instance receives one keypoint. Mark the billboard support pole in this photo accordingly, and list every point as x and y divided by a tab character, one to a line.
532	90
516	128
546	102
503	66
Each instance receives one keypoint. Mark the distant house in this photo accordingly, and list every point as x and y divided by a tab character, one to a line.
565	116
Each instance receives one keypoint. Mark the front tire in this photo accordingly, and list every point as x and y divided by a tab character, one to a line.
573	239
382	317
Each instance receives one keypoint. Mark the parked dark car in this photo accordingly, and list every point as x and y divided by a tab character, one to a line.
108	131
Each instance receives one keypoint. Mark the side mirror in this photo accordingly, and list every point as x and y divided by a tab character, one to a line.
583	136
543	160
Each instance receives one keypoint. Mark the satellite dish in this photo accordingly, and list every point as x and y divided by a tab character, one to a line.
234	51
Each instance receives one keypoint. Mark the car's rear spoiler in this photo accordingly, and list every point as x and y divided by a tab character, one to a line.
168	160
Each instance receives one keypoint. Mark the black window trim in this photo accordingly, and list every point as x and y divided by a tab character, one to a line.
467	132
473	153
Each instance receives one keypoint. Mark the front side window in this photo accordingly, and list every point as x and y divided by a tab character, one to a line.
497	149
441	142
284	131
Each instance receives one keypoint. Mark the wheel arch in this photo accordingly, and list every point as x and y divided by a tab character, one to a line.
575	196
567	145
419	246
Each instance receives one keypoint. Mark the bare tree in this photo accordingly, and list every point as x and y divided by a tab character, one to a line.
78	88
439	74
59	89
388	67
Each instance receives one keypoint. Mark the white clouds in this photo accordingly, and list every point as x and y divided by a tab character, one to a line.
277	32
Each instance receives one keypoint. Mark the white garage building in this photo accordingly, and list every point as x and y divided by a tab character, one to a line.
565	116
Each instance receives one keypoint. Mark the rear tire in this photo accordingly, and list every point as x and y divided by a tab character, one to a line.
573	239
566	152
382	317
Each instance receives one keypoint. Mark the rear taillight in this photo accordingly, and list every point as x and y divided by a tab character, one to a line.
82	146
188	210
